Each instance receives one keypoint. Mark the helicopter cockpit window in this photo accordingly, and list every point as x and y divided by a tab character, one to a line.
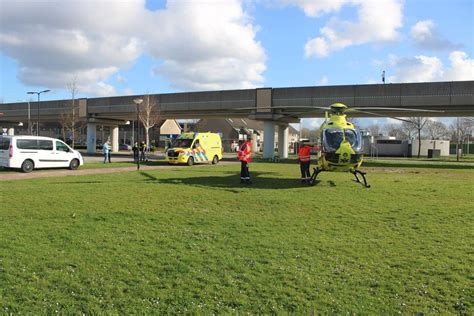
332	139
354	138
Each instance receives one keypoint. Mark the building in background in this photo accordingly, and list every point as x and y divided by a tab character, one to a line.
388	146
233	130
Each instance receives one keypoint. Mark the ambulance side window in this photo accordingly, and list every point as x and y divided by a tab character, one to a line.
196	144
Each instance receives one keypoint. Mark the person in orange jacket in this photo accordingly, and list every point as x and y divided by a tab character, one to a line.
304	157
244	154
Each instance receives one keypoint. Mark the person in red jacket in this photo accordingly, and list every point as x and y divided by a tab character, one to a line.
304	157
244	154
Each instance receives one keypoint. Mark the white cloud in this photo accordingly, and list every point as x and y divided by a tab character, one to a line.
312	123
378	21
128	91
462	68
425	36
422	30
200	44
121	79
416	69
425	68
324	81
214	49
316	8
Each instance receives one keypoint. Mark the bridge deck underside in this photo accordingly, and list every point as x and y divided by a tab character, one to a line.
453	98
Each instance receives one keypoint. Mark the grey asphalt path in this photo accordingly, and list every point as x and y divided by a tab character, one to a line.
80	172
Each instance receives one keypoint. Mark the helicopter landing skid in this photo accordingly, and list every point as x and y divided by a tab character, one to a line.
312	180
362	174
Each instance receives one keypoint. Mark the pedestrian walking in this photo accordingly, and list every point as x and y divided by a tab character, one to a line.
143	149
244	154
135	152
106	150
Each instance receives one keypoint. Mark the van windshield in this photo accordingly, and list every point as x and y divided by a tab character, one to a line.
182	143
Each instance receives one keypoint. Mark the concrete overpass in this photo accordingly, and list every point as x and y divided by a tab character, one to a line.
278	106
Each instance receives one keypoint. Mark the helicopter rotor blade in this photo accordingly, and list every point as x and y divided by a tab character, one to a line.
393	109
284	107
381	115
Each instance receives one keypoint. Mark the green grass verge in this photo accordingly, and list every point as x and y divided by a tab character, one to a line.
193	240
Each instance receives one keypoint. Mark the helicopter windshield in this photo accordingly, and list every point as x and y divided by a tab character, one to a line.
333	137
354	138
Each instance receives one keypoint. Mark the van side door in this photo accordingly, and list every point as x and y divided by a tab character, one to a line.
63	154
46	154
28	149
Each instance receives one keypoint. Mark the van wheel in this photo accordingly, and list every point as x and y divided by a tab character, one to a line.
27	166
74	164
190	161
215	160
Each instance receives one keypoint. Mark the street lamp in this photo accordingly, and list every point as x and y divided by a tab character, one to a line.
29	118
138	102
37	108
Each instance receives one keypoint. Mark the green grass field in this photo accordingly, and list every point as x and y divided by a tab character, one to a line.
193	240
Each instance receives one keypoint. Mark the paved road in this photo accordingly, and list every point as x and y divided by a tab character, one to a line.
65	172
7	176
128	157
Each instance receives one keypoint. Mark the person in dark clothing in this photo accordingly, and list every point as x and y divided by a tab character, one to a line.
135	152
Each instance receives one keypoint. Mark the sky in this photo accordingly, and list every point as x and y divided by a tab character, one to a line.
126	47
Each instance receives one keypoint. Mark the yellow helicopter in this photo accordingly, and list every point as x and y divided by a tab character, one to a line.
341	142
341	145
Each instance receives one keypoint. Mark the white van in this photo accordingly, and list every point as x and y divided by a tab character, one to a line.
32	152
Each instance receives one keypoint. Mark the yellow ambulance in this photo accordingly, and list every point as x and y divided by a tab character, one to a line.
191	148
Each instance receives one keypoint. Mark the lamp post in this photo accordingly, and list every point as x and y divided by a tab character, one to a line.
29	118
37	108
138	102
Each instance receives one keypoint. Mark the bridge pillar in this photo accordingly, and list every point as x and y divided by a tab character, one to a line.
11	131
91	138
268	139
115	139
283	141
254	143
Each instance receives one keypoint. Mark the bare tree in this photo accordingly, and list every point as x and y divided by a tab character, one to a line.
408	129
72	87
460	130
69	118
374	129
436	129
149	115
418	124
396	130
311	134
64	122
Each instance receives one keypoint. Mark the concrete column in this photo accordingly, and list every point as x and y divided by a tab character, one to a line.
91	138
115	139
269	139
11	131
283	141
254	143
